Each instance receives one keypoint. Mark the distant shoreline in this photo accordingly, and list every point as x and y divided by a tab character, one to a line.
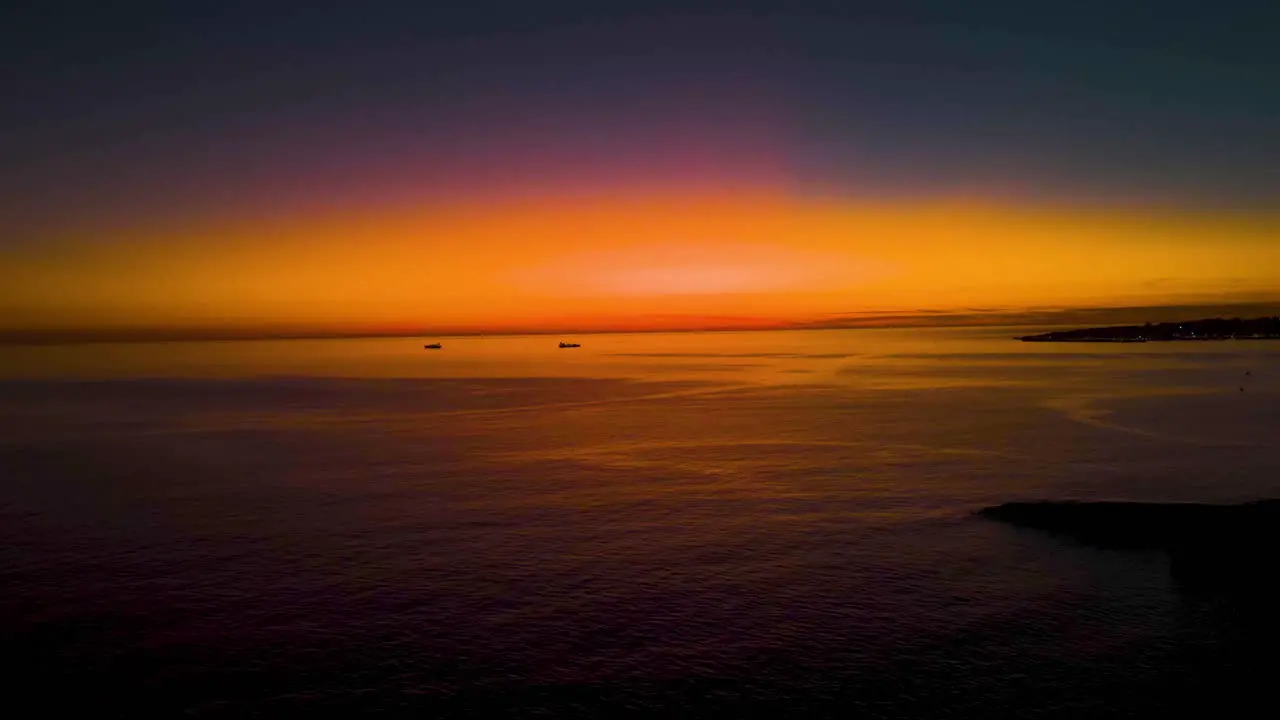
994	323
1209	329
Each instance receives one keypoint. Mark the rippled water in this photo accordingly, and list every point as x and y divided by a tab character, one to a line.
711	524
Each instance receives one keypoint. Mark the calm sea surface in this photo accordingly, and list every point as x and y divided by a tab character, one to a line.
717	524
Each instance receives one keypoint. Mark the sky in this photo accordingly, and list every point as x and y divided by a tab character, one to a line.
249	168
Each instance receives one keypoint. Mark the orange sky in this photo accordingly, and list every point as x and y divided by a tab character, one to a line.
630	261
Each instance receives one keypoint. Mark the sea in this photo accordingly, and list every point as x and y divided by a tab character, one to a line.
732	524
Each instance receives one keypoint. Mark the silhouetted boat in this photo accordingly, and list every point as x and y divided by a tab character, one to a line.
569	345
432	346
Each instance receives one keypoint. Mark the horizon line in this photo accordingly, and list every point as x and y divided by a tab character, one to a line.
865	320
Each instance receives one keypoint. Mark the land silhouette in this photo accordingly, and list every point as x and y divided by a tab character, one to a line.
1263	328
1210	547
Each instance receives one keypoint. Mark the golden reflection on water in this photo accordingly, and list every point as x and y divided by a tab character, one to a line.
887	359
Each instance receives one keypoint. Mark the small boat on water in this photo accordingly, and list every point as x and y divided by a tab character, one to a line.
569	345
432	346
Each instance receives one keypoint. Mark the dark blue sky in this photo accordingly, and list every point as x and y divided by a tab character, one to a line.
119	109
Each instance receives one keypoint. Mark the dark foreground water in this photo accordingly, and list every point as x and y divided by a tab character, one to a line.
670	525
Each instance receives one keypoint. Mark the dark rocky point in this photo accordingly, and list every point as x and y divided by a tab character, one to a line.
1228	547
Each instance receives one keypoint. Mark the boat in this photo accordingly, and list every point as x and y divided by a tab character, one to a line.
569	345
432	346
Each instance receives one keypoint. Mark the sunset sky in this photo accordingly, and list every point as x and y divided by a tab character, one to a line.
392	167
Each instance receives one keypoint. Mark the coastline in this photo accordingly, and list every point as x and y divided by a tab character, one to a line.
1209	329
